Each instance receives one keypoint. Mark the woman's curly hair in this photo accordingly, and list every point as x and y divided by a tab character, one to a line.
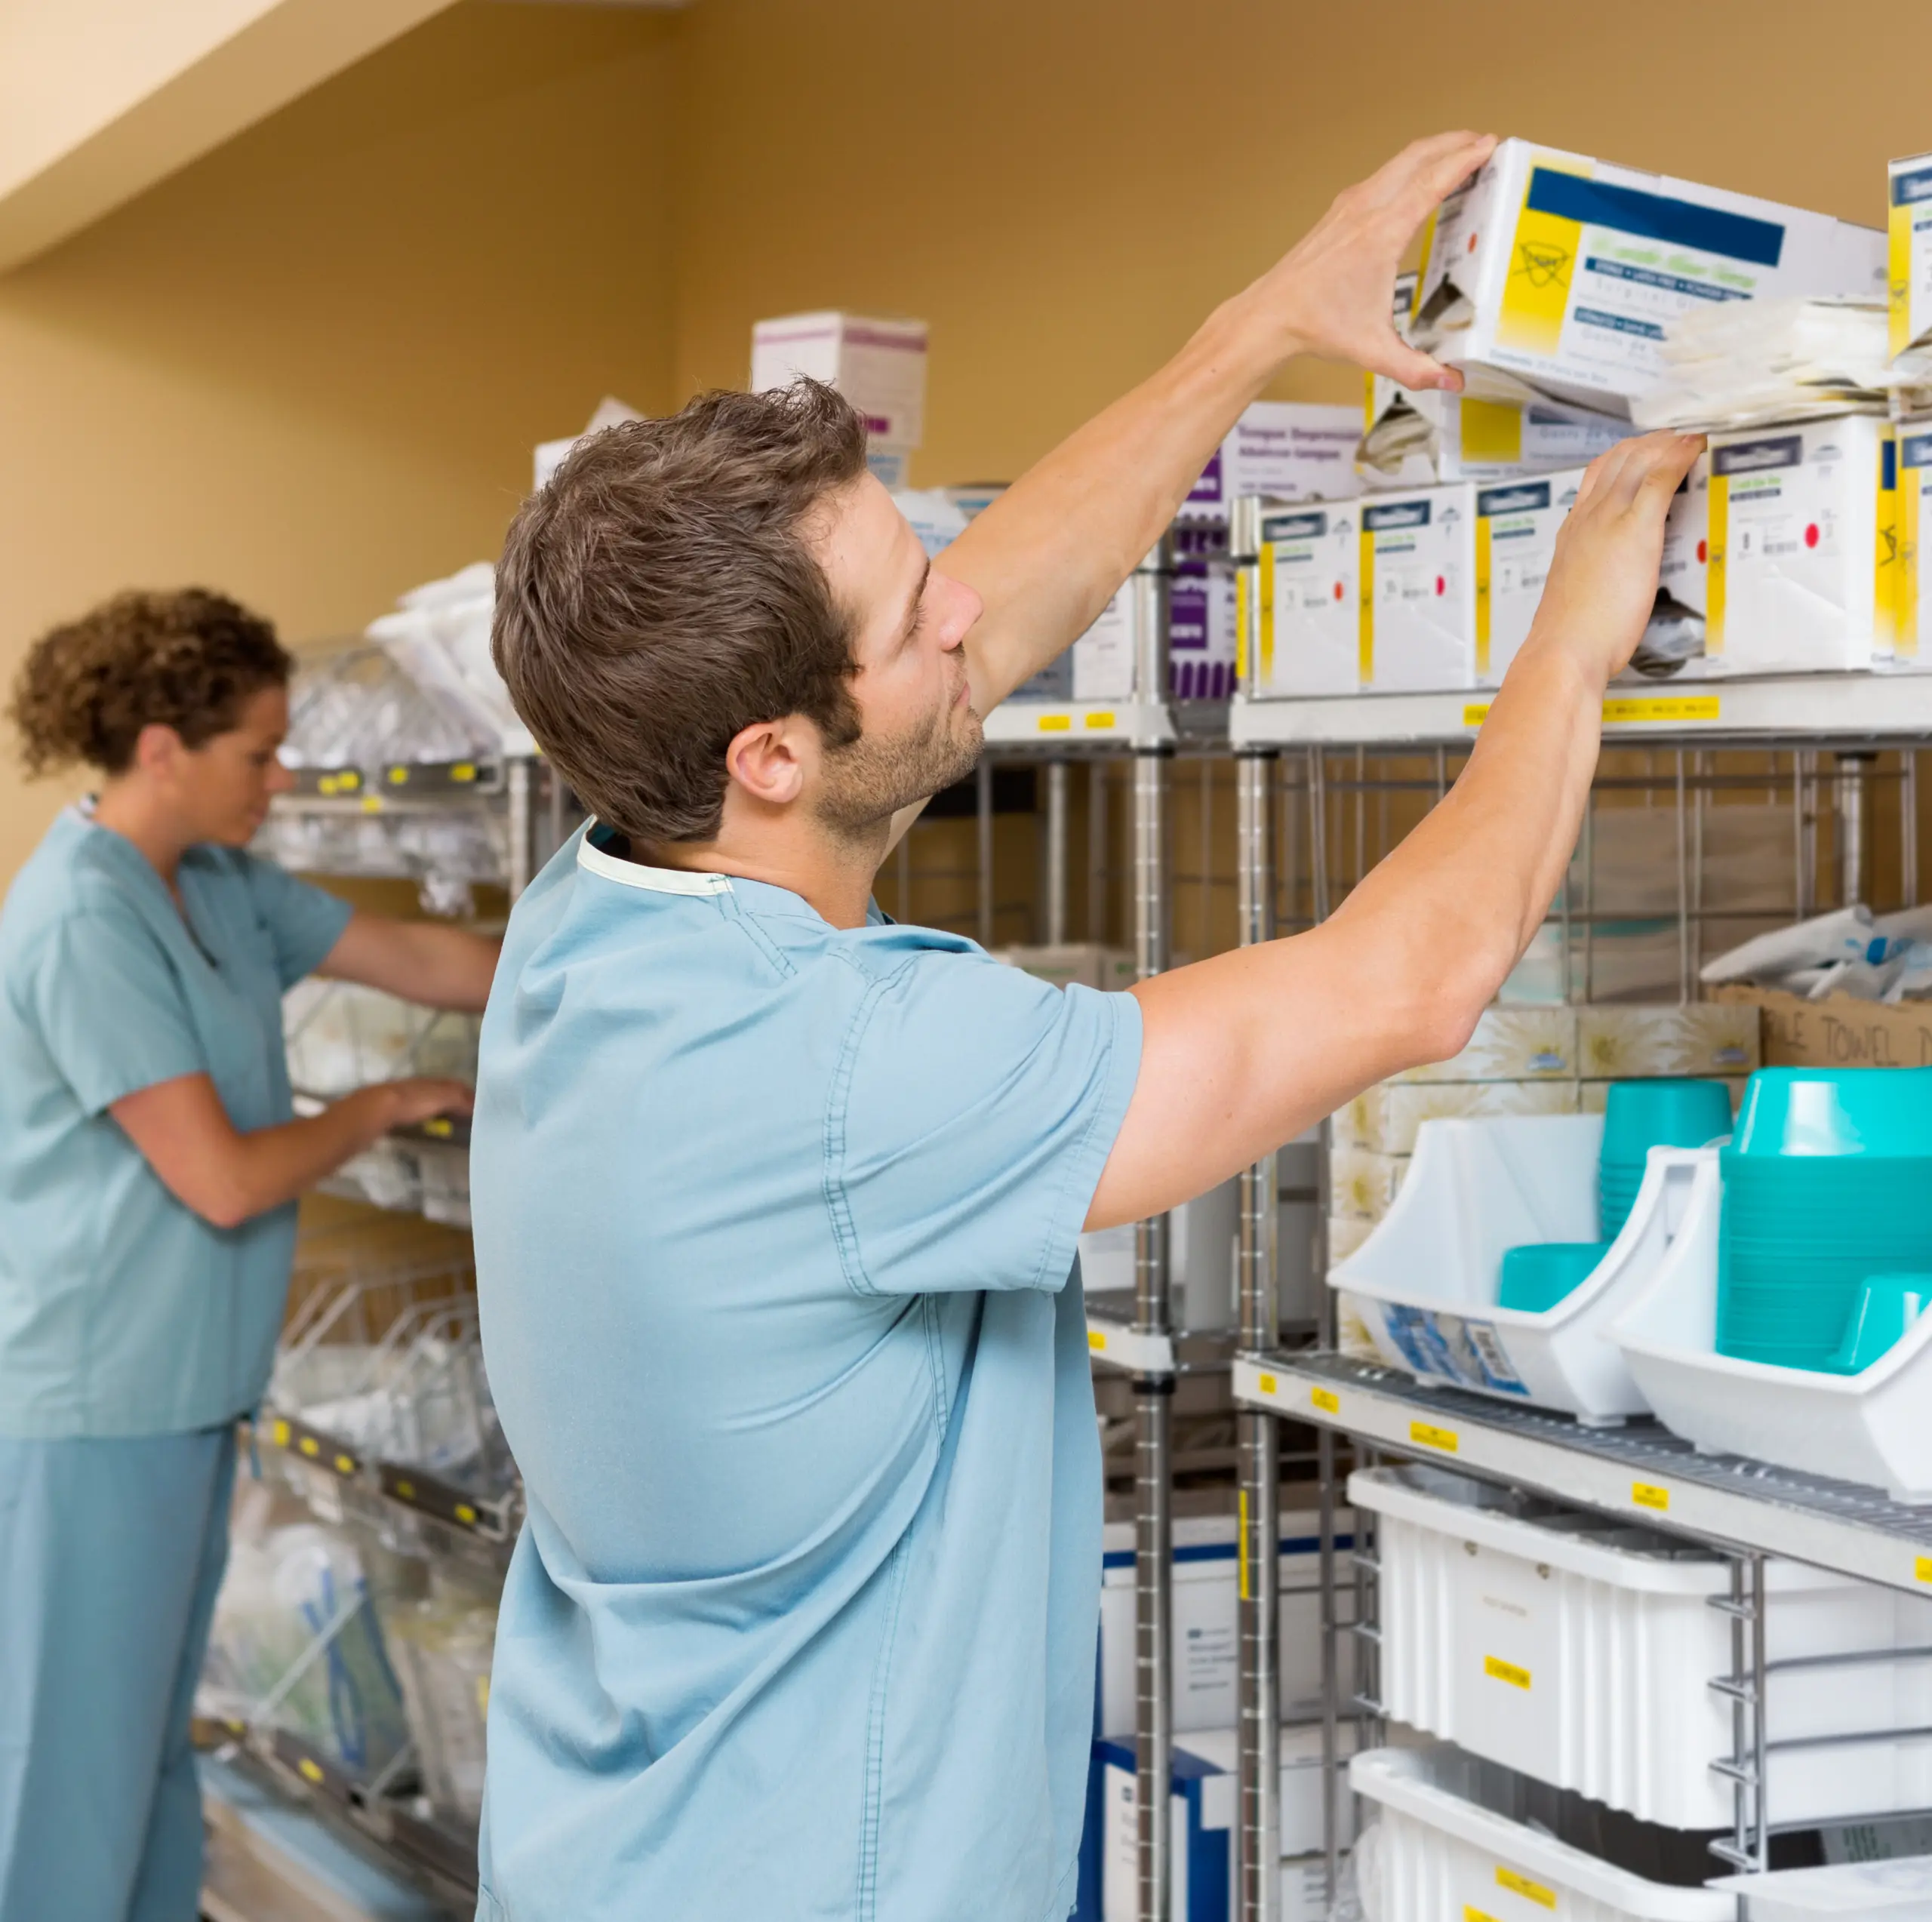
187	659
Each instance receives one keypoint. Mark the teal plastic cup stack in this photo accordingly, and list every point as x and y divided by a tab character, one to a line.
1669	1111
1826	1236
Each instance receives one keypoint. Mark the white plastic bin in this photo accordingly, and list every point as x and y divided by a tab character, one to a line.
1450	1842
1898	1891
1579	1651
1426	1281
1869	1428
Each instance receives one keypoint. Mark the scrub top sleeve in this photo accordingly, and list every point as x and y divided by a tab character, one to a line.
973	1110
305	921
103	997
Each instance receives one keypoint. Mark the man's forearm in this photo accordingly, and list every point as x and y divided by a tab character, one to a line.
1047	556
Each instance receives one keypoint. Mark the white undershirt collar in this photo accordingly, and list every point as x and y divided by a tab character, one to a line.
657	881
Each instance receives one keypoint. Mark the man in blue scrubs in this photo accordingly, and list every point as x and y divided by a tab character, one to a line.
777	1202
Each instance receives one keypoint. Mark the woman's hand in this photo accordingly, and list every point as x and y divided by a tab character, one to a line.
1335	290
418	1098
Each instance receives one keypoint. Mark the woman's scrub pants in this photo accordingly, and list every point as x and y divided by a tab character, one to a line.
111	1550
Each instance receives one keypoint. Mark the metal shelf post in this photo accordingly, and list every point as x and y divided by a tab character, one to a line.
1257	1832
1059	780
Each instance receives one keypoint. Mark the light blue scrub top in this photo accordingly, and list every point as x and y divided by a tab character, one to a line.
775	1237
122	1312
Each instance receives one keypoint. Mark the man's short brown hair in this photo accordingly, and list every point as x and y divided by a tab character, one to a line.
657	596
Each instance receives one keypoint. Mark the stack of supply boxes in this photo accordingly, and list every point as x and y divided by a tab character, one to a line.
1280	450
1525	1060
1552	280
1205	1707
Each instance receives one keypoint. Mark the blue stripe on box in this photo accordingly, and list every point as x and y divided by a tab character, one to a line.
1655	217
1290	1545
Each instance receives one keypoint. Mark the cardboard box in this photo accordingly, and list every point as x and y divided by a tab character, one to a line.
1705	1038
1200	613
1909	253
1283	450
1516	525
878	365
1205	1811
1839	1032
1308	618
1911	632
1365	1182
1386	1118
1802	538
1422	439
1205	1621
1533	1043
1418	625
1554	273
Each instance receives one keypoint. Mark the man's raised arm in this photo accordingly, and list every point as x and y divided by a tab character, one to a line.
1047	556
1241	1053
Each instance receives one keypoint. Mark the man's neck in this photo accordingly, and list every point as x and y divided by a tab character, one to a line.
833	874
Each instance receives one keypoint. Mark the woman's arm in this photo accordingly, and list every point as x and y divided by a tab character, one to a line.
228	1177
421	961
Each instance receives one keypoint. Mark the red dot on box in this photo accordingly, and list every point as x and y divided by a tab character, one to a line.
1811	535
1703	554
1471	248
1338	590
1442	585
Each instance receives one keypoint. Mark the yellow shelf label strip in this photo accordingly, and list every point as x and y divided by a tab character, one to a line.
1431	1437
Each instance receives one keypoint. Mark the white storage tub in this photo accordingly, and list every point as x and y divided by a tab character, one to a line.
1900	1891
1869	1428
1425	1282
1451	1839
1579	1651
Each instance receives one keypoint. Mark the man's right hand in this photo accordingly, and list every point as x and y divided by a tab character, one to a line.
1603	582
418	1098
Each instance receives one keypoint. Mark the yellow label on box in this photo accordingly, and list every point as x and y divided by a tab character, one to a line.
1521	1885
1543	257
1717	543
1264	619
1055	723
1898	278
1497	1670
1327	1400
1241	627
1492	432
1102	719
1648	1495
1365	591
1483	597
1433	1438
1095	1340
1922	1568
1268	1385
1473	1914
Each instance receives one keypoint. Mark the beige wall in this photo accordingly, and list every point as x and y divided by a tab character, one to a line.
310	368
1063	187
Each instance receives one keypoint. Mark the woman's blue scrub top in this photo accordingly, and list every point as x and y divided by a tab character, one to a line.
122	1312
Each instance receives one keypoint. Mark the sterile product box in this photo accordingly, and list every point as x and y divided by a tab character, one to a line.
1204	1812
1908	253
1552	272
1363	1182
1418	625
1308	620
1201	613
1283	450
1516	525
1802	535
1387	1116
878	365
1205	1621
1911	637
1704	1039
1418	439
1510	1044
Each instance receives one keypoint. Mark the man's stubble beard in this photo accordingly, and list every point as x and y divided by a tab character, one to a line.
869	781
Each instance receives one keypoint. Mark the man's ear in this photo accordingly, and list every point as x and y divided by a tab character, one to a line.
769	759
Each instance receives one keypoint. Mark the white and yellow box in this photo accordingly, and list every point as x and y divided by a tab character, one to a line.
1516	525
1558	274
1418	611
1909	254
1307	623
1387	1118
1708	1039
1912	636
1524	1043
1418	440
1802	534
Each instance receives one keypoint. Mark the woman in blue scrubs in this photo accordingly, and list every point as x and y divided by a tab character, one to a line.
149	1164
